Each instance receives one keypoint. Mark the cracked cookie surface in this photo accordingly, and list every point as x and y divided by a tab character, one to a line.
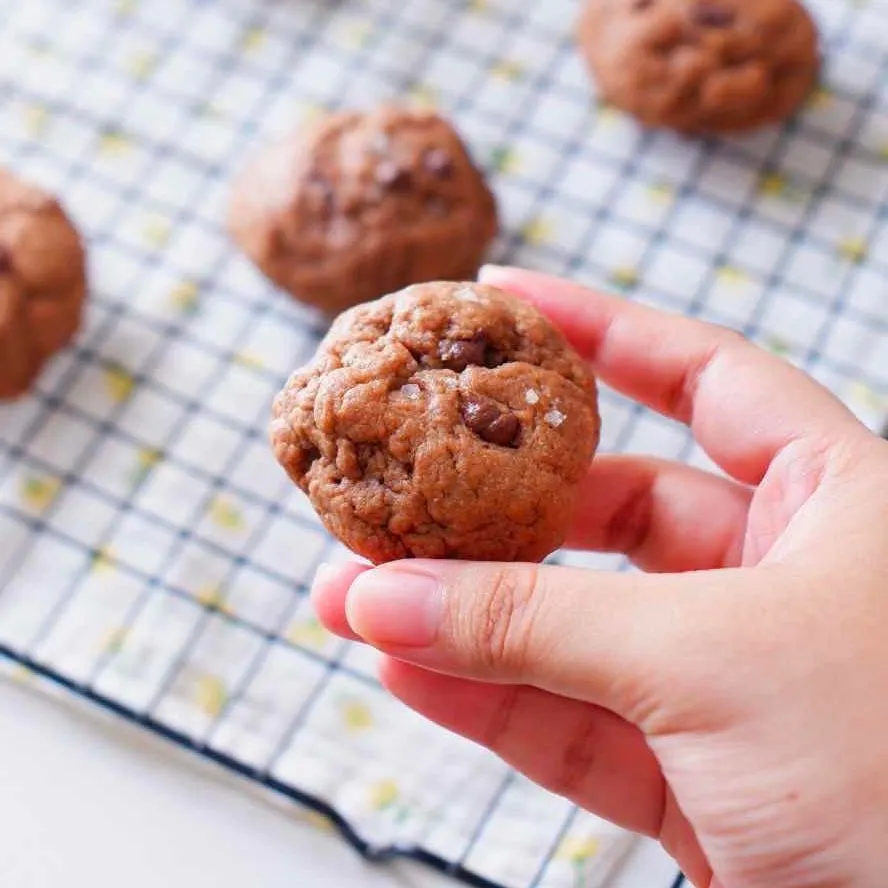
359	205
702	66
446	420
42	283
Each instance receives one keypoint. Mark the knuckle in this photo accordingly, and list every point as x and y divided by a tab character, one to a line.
500	727
681	396
502	619
579	758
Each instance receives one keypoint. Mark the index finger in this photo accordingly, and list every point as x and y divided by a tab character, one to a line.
743	404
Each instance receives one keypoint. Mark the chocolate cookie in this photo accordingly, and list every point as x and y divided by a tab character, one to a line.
702	66
363	204
42	282
444	421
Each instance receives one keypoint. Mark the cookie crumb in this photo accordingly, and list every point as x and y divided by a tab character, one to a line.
555	417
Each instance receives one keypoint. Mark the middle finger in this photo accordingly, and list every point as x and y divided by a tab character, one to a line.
665	516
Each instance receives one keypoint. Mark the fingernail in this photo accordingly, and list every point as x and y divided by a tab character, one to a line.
398	608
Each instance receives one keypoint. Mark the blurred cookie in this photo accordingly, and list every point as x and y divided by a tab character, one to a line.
444	421
360	205
702	66
42	282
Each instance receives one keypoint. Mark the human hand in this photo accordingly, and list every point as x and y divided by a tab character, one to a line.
730	700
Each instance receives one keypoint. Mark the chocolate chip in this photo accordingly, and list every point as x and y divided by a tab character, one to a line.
438	162
438	208
711	15
392	176
323	193
490	422
493	358
457	354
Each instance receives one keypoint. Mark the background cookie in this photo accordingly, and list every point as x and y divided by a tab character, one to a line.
445	421
42	282
701	66
363	204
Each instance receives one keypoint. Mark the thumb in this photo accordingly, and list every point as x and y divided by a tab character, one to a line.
617	640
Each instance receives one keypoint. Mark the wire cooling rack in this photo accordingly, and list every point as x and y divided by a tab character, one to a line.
152	557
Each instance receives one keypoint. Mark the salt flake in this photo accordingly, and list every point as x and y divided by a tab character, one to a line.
411	391
555	417
531	397
467	294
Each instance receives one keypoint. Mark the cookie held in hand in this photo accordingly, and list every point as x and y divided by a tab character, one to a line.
359	205
701	66
42	283
447	420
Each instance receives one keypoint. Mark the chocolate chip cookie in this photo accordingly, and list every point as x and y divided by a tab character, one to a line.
445	421
42	282
702	66
360	205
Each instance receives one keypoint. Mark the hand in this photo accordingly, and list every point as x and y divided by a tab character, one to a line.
731	700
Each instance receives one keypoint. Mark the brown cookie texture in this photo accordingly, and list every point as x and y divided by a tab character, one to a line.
363	204
42	282
448	420
702	66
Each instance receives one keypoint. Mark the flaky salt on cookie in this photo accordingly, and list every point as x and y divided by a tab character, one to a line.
447	420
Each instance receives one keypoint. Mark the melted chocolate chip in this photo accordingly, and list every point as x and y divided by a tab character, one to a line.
438	162
392	176
711	15
457	354
5	260
490	422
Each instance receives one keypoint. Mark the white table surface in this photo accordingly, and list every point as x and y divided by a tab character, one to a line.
87	800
